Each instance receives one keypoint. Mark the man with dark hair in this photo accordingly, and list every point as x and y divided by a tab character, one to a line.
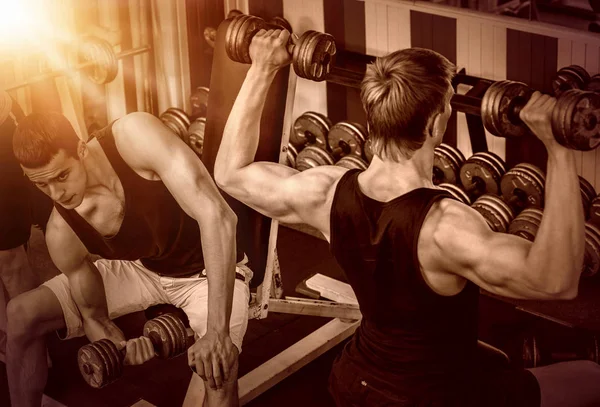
138	197
17	214
415	258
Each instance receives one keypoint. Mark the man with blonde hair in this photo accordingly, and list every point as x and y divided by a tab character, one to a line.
414	257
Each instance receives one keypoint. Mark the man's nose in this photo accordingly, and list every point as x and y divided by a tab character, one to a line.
56	193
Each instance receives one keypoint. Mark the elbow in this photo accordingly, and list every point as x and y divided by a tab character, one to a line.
222	177
566	289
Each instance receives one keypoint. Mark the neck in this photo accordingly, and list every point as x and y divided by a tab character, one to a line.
402	175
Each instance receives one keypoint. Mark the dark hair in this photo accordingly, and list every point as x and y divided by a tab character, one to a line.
40	136
401	92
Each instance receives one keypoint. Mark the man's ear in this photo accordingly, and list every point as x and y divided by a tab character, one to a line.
82	149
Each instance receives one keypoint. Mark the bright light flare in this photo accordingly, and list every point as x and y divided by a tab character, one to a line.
21	23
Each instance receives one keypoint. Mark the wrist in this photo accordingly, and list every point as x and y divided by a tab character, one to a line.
264	72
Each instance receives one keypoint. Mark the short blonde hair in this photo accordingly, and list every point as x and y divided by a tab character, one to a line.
401	92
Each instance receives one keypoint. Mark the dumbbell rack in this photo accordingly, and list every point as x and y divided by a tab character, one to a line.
350	68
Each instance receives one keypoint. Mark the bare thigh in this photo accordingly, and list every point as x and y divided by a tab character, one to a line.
569	384
41	311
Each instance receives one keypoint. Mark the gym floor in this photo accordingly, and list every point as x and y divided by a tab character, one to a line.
164	383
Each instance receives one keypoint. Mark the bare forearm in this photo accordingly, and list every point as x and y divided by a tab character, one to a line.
557	252
88	293
242	131
219	248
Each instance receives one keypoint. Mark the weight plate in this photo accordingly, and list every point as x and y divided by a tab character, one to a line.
570	77
291	154
161	337
526	224
454	152
318	56
352	162
195	135
591	261
521	188
457	192
92	366
506	98
114	358
313	156
199	101
310	128
281	22
479	175
588	193
346	138
445	167
594	84
180	333
595	211
581	128
497	212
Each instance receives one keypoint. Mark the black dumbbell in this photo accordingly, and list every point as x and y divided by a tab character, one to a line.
101	363
495	211
313	53
346	138
481	174
523	186
575	118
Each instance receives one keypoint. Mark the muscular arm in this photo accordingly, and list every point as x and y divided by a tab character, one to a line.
507	265
87	289
275	190
16	273
147	145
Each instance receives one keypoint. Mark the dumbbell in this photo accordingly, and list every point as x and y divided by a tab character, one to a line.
352	162
313	156
101	363
313	54
210	33
569	77
481	174
536	353
575	119
176	120
310	128
523	186
291	155
199	102
591	255
368	150
457	192
495	211
588	193
447	161
194	137
346	138
594	84
526	223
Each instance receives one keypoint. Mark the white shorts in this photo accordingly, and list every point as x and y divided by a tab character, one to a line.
130	287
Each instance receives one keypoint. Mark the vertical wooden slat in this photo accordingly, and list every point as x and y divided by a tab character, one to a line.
354	25
463	143
371	28
398	28
334	22
499	73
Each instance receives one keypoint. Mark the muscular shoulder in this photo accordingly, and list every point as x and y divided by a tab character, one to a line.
141	139
451	229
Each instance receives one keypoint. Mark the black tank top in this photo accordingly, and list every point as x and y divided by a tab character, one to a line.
411	340
154	229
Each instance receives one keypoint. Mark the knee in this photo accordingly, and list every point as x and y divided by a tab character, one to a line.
22	318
